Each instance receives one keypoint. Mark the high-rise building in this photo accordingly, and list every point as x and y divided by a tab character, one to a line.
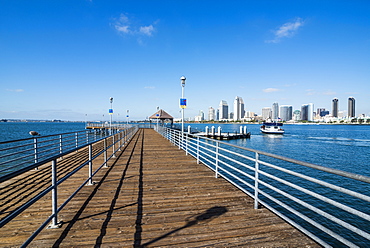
297	115
351	107
266	113
307	112
304	112
275	111
335	107
211	114
319	111
238	108
286	112
310	112
224	110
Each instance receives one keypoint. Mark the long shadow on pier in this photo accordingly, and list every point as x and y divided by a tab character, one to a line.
91	196
208	215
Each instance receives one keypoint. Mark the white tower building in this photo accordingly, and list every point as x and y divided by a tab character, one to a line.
238	108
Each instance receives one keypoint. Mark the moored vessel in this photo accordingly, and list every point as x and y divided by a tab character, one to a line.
272	128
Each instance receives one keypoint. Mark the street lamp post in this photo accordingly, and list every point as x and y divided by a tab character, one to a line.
183	106
127	116
182	103
157	117
111	114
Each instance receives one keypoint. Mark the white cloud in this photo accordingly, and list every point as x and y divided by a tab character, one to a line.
15	90
311	92
288	29
147	30
269	90
329	92
149	87
124	26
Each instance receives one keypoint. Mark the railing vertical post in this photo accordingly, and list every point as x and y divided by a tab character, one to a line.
90	165
113	145
35	146
256	170
198	150
76	139
105	153
54	195
178	139
217	145
119	140
186	145
60	144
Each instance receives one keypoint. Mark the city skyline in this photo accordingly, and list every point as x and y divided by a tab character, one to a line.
285	112
64	60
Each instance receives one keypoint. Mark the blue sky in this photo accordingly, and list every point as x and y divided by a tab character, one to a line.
65	59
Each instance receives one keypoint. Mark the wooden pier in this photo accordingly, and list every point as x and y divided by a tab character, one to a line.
152	195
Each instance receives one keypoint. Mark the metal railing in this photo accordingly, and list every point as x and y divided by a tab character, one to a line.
41	151
328	205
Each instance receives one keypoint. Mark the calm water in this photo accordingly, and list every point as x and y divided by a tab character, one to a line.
344	147
20	130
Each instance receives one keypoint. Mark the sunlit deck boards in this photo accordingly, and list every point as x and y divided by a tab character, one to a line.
155	195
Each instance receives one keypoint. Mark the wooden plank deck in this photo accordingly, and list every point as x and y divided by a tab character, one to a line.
152	195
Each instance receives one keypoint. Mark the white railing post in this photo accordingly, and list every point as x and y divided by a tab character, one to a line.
256	182
90	166
54	195
76	136
186	145
105	153
198	150
60	144
217	145
35	146
113	145
119	141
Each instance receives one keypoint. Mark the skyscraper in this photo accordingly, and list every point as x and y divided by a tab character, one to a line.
286	112
351	107
335	107
304	112
266	113
310	112
238	108
275	111
211	114
307	112
224	110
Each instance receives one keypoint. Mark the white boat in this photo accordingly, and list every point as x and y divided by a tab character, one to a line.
272	128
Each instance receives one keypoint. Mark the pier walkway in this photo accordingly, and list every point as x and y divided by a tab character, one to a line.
152	195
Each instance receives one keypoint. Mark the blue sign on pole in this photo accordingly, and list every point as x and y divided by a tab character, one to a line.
110	111
182	103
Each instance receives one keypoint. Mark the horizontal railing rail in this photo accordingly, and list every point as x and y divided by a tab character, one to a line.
57	146
329	205
21	155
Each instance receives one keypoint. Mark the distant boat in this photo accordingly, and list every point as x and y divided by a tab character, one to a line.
272	128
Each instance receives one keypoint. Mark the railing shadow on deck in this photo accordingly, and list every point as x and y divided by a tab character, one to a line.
206	216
